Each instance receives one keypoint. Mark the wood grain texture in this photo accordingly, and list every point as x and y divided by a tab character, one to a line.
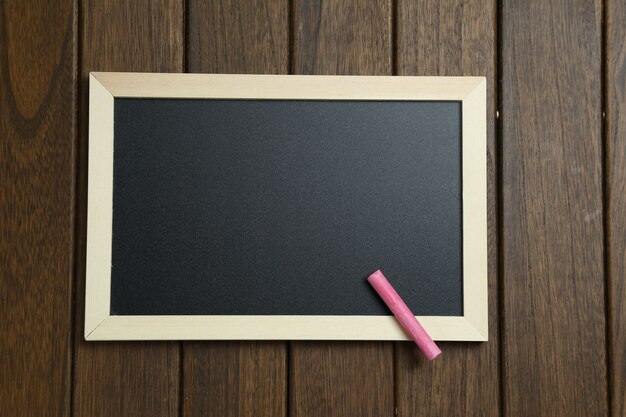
342	37
37	171
553	300
121	378
616	198
553	293
127	379
231	37
441	37
236	378
341	378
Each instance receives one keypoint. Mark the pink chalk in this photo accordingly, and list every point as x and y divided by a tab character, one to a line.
404	315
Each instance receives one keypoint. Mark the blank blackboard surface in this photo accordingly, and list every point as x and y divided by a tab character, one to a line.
284	207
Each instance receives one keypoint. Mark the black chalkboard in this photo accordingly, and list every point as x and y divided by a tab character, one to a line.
261	207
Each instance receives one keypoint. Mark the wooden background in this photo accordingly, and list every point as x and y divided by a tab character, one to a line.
556	72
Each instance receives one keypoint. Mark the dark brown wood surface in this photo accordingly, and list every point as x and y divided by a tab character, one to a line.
557	222
453	38
616	198
37	172
236	378
137	378
233	37
351	37
554	361
341	378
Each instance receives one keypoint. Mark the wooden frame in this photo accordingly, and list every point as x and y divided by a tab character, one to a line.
105	87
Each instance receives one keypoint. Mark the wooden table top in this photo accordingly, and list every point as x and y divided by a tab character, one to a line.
557	208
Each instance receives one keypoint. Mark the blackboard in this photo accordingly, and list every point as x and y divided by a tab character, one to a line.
252	206
284	207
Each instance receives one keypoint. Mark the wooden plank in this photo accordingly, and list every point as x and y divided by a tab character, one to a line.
37	149
121	378
126	379
341	378
553	300
228	36
616	198
342	38
441	37
236	378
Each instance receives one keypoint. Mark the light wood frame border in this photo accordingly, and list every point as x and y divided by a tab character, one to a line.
105	87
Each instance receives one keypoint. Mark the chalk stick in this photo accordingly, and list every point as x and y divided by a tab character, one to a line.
403	315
